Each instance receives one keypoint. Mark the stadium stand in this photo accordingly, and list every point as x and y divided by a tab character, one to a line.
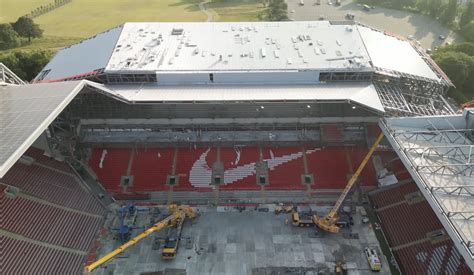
52	185
114	166
407	224
280	179
232	157
150	168
47	223
22	257
49	220
428	258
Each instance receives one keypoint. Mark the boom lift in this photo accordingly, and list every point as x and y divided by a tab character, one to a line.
178	214
329	222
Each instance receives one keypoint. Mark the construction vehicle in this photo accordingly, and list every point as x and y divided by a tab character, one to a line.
302	217
173	237
329	222
284	209
177	215
373	259
339	269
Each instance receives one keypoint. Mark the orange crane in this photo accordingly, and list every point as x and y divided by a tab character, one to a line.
178	214
328	223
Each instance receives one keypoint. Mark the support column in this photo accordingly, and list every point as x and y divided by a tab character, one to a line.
173	172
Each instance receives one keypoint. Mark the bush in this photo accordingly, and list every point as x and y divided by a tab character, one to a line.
26	64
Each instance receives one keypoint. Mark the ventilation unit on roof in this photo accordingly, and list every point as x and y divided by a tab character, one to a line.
276	53
263	52
177	31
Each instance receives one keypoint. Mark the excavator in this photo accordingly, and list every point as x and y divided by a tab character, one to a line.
176	218
329	222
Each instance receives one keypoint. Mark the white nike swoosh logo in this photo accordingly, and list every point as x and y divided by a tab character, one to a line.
200	174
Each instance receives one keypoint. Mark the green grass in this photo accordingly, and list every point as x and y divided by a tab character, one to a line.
85	18
236	10
10	10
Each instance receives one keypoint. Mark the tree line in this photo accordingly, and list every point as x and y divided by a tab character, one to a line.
47	8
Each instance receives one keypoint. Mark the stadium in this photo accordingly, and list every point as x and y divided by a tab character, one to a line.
235	119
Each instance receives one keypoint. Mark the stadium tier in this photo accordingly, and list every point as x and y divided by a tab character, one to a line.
414	232
193	168
49	217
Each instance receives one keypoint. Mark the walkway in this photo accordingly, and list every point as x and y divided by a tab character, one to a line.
202	7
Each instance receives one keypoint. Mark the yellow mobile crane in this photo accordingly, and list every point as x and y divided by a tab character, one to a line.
328	223
178	214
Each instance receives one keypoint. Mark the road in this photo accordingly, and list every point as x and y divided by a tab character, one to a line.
402	23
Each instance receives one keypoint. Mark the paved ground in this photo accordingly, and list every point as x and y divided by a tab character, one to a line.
224	241
402	23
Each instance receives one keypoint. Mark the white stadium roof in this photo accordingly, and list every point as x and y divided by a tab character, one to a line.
439	153
238	47
391	53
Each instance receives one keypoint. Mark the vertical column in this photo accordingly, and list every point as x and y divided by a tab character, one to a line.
173	173
216	186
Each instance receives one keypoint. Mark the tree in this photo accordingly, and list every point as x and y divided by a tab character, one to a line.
277	10
450	12
468	14
455	65
468	31
435	8
26	64
8	37
25	27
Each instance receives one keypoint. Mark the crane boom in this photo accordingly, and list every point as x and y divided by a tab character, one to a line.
180	212
328	223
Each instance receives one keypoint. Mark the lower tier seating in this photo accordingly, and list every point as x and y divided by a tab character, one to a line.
48	223
53	186
193	167
393	194
407	223
406	227
428	258
22	257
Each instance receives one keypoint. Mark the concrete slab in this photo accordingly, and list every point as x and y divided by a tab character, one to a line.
238	243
